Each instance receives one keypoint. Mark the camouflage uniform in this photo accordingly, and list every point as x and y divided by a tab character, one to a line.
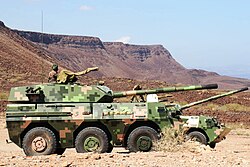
53	74
137	87
65	76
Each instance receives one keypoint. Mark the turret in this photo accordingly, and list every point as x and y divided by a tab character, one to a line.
57	93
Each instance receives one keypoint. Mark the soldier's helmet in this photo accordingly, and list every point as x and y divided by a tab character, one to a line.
55	67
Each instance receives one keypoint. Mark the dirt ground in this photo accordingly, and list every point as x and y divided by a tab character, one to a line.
234	151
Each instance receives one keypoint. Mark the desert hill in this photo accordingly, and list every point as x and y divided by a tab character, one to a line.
116	59
27	57
20	60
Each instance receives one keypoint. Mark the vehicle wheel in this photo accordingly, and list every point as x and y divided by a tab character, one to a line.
60	151
110	148
198	136
91	139
39	141
141	139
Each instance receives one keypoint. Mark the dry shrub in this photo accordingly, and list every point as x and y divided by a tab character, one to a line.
170	141
173	140
226	107
234	107
3	96
238	125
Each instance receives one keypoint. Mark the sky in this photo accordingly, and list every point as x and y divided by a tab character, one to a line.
205	34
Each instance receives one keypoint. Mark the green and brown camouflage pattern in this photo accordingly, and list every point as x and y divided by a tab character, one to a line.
66	119
67	109
60	93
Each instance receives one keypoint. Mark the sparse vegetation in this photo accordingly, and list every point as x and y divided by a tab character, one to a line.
240	129
3	96
234	107
227	107
237	126
170	141
211	107
243	133
173	140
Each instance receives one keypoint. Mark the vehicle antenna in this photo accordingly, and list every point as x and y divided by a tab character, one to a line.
42	44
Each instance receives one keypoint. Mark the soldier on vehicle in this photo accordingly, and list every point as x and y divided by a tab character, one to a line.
53	74
65	76
135	97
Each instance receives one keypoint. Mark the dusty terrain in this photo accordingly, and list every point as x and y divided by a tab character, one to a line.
234	151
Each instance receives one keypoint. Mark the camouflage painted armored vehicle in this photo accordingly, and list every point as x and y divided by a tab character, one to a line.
48	118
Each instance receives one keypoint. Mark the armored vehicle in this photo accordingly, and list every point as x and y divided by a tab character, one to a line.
48	118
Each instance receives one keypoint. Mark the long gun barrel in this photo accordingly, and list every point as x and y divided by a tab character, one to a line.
164	90
213	98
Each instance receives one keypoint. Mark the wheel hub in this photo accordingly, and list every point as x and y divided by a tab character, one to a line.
39	144
91	144
144	143
196	139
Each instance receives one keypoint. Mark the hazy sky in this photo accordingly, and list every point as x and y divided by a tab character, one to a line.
206	34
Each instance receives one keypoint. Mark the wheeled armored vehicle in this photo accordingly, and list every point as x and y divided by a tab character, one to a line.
48	118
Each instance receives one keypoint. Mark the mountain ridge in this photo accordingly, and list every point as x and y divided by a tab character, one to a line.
130	61
115	59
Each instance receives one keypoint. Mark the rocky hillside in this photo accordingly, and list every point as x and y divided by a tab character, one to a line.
115	59
20	60
27	56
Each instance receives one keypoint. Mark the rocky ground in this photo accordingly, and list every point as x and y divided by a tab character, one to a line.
234	151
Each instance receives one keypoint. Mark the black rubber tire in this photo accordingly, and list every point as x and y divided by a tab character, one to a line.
110	148
198	136
60	151
39	133
136	134
96	133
